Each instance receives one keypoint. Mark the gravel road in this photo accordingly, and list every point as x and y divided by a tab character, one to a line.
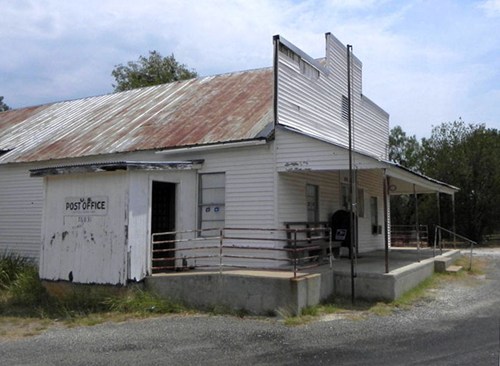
458	325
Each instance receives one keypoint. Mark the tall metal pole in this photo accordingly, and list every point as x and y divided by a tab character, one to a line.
351	175
386	221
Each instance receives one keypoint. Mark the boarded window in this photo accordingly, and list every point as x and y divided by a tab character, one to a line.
308	70
212	201
290	54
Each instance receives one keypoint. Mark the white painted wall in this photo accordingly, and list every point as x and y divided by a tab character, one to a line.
292	195
313	105
21	204
296	152
90	246
249	193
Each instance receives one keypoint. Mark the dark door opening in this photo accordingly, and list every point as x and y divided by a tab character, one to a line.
163	220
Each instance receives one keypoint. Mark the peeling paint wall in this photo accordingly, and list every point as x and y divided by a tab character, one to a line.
85	224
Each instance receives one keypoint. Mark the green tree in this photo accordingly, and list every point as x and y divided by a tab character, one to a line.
467	156
3	106
404	150
148	71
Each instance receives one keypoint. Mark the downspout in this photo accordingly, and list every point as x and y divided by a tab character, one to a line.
438	196
351	175
276	41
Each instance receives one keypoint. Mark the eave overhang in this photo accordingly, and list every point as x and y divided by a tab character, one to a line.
116	166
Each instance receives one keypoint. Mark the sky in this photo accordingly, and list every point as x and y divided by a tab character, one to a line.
424	61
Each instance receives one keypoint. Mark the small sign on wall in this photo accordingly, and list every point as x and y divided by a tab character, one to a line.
86	206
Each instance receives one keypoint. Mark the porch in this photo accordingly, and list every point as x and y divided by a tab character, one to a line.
266	291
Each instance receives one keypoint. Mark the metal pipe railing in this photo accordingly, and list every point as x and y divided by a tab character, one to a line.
438	235
233	245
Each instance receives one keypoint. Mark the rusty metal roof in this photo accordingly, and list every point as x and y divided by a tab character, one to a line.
223	108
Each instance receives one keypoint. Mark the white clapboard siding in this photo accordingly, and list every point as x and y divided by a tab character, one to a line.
292	195
370	129
313	105
21	204
296	152
249	184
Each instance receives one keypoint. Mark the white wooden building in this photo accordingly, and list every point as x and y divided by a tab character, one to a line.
84	184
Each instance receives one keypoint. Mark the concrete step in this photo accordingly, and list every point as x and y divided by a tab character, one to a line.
454	269
441	264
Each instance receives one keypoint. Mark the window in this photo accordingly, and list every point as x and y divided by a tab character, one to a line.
374	215
212	200
312	200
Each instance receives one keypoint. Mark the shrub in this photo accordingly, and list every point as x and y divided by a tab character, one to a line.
11	265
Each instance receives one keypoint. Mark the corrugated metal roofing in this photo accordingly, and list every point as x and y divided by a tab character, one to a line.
223	108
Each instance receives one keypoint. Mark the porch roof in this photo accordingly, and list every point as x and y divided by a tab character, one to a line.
406	181
318	157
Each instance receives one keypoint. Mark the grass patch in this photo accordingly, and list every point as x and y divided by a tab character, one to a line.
27	308
361	309
478	267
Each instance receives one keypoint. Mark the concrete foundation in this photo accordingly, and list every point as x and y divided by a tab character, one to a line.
268	292
256	292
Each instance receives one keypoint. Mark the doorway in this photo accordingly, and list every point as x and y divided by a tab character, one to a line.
163	220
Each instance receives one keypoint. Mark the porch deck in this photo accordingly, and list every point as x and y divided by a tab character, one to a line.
263	292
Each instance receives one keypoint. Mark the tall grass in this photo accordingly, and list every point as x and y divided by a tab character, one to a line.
11	266
23	295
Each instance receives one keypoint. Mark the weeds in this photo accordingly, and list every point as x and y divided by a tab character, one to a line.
10	266
142	302
23	296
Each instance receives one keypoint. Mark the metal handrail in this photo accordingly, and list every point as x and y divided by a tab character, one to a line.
437	237
226	242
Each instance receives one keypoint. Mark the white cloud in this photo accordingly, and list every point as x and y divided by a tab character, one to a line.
422	65
492	7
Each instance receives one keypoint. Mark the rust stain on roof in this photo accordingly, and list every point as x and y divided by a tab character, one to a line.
230	107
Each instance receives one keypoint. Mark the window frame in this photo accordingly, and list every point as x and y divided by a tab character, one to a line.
203	206
315	197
